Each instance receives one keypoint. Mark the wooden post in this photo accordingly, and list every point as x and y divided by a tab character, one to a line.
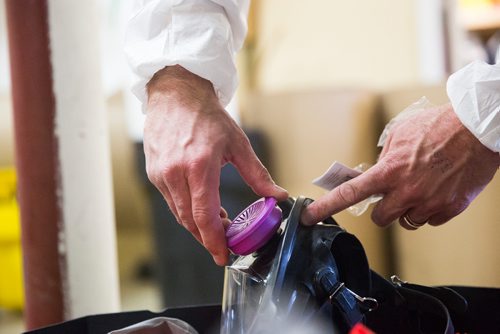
63	160
36	159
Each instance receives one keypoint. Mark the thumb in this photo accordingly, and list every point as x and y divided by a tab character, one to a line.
343	196
256	175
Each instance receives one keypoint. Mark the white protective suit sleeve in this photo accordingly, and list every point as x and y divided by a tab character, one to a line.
474	92
203	36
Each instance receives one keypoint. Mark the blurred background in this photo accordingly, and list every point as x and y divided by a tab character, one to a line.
318	81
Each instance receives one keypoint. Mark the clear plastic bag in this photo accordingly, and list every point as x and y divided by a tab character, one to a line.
338	173
422	104
159	325
359	208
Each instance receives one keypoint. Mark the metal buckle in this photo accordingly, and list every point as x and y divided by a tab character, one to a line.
367	303
397	281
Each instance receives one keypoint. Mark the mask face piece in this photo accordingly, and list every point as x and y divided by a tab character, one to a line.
293	281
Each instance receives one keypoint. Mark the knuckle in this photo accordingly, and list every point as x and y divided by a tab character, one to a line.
392	169
182	207
169	171
243	141
202	218
184	218
390	165
153	175
262	173
347	192
201	160
386	169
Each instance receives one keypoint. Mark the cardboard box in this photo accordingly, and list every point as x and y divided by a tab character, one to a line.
307	131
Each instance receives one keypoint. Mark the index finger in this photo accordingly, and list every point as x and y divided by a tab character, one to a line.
345	195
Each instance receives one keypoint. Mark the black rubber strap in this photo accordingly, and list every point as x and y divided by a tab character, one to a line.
483	311
426	306
405	310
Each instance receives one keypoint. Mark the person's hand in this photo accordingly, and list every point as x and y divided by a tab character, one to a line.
188	137
430	169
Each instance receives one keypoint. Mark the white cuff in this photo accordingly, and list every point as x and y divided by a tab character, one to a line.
474	92
201	36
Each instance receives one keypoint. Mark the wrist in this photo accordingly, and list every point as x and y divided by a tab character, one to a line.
174	84
468	139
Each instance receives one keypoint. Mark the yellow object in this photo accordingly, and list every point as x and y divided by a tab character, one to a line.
11	283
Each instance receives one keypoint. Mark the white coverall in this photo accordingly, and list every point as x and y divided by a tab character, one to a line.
204	37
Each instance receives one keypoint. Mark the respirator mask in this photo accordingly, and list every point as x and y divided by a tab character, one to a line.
292	278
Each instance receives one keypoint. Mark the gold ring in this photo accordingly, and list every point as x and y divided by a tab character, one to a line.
413	224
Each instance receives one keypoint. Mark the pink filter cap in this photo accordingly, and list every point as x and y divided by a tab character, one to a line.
254	226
